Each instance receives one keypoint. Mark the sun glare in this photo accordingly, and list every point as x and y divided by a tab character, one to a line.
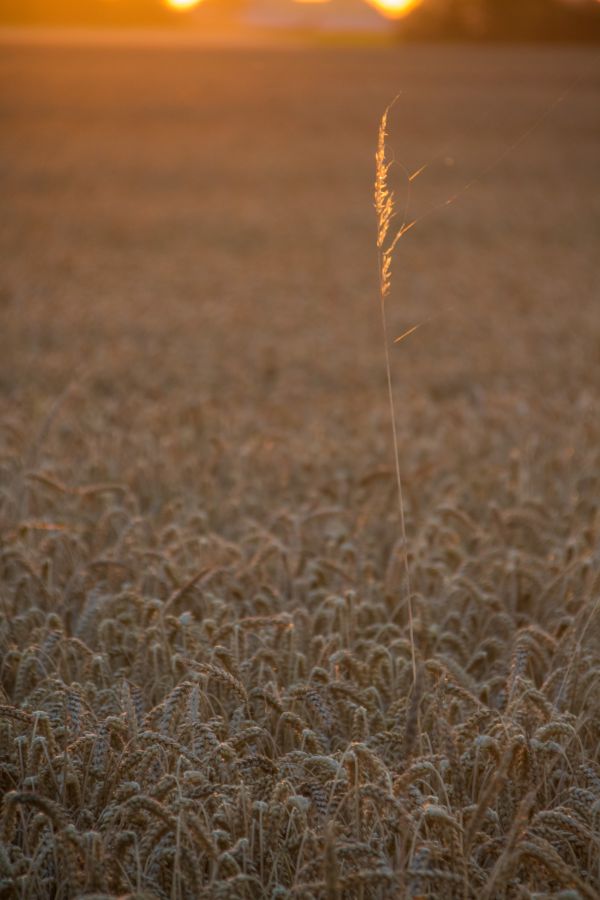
182	4
395	9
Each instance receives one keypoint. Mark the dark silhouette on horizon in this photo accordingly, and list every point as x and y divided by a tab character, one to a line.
505	20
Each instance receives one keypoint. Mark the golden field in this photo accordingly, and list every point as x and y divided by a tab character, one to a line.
206	686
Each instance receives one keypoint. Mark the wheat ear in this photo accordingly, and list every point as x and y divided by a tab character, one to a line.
385	210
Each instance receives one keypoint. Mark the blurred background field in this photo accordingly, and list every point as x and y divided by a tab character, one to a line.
197	228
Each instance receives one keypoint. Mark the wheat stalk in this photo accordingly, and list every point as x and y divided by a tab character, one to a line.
385	211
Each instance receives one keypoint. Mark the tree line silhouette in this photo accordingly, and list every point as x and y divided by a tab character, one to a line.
528	20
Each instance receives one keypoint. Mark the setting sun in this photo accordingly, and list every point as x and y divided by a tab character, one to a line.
394	9
391	8
182	4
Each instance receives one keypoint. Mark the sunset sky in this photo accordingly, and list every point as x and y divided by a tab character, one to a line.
141	8
503	17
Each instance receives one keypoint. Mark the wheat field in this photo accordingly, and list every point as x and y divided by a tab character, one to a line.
206	674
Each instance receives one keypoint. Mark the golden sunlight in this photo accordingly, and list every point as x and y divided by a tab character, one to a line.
394	9
182	4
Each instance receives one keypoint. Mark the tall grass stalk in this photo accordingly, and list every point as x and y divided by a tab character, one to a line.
385	209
